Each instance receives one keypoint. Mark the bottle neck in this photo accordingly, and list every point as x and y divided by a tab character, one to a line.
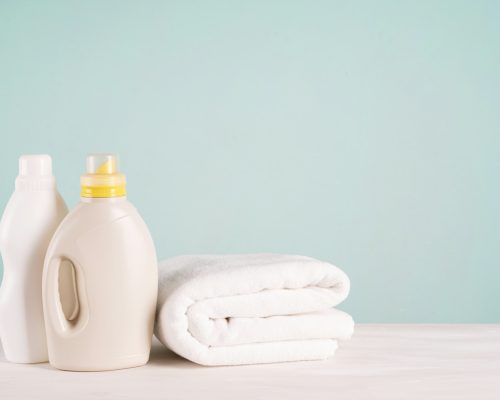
116	199
35	184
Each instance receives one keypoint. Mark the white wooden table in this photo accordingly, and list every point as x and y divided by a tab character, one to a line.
380	362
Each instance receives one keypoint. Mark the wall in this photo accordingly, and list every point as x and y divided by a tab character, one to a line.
362	133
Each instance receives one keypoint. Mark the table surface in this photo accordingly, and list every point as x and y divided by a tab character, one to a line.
380	362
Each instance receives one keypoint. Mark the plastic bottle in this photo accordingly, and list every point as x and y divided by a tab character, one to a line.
31	217
105	320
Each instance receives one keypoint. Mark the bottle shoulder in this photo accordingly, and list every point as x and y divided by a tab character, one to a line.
30	214
90	215
103	227
103	210
34	202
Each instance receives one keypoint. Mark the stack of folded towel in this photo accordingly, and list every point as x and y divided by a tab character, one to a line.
249	309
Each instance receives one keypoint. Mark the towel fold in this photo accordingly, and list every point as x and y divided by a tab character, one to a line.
249	309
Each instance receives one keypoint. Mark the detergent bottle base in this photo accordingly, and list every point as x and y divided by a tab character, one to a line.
105	365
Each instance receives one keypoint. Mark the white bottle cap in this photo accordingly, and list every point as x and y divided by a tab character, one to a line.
35	165
35	172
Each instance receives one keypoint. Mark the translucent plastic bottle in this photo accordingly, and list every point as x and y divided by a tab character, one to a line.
105	319
31	217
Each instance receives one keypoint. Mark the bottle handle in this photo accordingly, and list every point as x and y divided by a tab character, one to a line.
65	299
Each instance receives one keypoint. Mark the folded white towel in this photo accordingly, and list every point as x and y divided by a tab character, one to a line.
248	309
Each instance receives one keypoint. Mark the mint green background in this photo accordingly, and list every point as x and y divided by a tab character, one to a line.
362	133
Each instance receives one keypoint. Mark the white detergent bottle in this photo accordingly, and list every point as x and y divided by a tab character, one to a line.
31	217
104	320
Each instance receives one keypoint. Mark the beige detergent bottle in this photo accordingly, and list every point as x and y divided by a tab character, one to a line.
103	319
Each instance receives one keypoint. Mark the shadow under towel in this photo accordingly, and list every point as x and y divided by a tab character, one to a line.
250	309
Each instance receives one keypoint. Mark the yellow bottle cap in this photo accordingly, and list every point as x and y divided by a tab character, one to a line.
103	178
